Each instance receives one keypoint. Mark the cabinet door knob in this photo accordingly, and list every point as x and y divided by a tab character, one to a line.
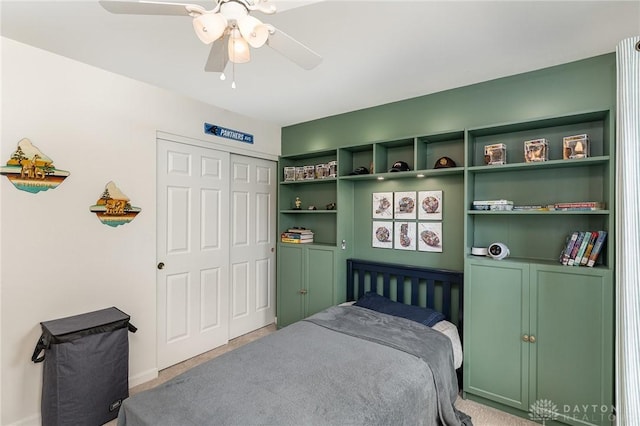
532	339
160	265
303	291
525	338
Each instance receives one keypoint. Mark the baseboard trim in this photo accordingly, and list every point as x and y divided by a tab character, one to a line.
143	377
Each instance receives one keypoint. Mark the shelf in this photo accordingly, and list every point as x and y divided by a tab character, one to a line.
314	244
539	212
291	211
551	164
307	181
416	174
595	270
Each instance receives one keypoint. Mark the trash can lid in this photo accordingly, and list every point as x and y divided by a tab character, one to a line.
89	320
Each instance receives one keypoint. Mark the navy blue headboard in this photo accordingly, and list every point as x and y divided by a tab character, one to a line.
439	289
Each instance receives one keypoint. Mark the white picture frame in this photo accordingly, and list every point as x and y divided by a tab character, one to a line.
404	236
430	204
430	236
404	205
382	205
382	234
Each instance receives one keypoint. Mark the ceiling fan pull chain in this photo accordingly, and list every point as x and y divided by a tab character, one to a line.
233	75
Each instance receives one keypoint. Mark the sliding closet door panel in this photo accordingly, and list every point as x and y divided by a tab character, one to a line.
193	251
253	231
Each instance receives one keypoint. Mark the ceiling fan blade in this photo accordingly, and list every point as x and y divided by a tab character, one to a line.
293	50
143	7
217	60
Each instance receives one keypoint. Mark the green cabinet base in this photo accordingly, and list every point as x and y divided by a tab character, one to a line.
306	281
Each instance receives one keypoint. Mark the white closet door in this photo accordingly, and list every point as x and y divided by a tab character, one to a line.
193	251
253	232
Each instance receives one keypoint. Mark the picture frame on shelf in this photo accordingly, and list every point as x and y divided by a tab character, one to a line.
430	236
430	205
382	205
404	236
404	205
382	234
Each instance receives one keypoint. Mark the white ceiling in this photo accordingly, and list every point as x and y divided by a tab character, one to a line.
374	52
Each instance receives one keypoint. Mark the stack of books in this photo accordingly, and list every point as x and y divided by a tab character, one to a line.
579	205
297	236
583	248
500	205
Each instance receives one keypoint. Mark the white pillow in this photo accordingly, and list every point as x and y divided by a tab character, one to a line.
451	331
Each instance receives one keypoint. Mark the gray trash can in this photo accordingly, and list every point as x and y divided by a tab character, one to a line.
86	367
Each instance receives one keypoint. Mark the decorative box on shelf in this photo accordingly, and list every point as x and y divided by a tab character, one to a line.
536	150
289	174
576	146
495	154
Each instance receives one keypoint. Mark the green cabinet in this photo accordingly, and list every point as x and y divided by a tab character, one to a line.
497	314
307	281
538	333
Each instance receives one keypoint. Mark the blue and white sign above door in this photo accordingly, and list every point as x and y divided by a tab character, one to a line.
223	132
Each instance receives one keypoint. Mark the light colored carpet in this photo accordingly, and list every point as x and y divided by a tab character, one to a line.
481	415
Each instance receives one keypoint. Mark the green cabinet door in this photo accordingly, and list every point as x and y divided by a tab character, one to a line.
306	281
496	319
572	356
290	307
320	279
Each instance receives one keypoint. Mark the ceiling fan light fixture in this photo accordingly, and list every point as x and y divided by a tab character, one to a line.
209	26
253	31
238	48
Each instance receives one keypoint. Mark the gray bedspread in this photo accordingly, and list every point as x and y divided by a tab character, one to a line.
342	366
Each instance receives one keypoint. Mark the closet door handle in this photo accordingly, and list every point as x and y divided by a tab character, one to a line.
525	338
532	339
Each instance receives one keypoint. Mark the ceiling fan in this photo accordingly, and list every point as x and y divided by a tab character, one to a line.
228	27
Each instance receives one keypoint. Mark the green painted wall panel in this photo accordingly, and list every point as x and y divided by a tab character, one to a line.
584	85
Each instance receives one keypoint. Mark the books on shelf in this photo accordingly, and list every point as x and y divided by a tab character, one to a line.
565	206
579	205
297	236
500	205
300	231
575	249
530	207
589	249
583	248
566	252
597	248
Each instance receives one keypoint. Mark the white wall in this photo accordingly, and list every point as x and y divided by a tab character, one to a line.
57	259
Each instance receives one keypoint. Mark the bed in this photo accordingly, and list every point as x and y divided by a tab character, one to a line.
346	365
